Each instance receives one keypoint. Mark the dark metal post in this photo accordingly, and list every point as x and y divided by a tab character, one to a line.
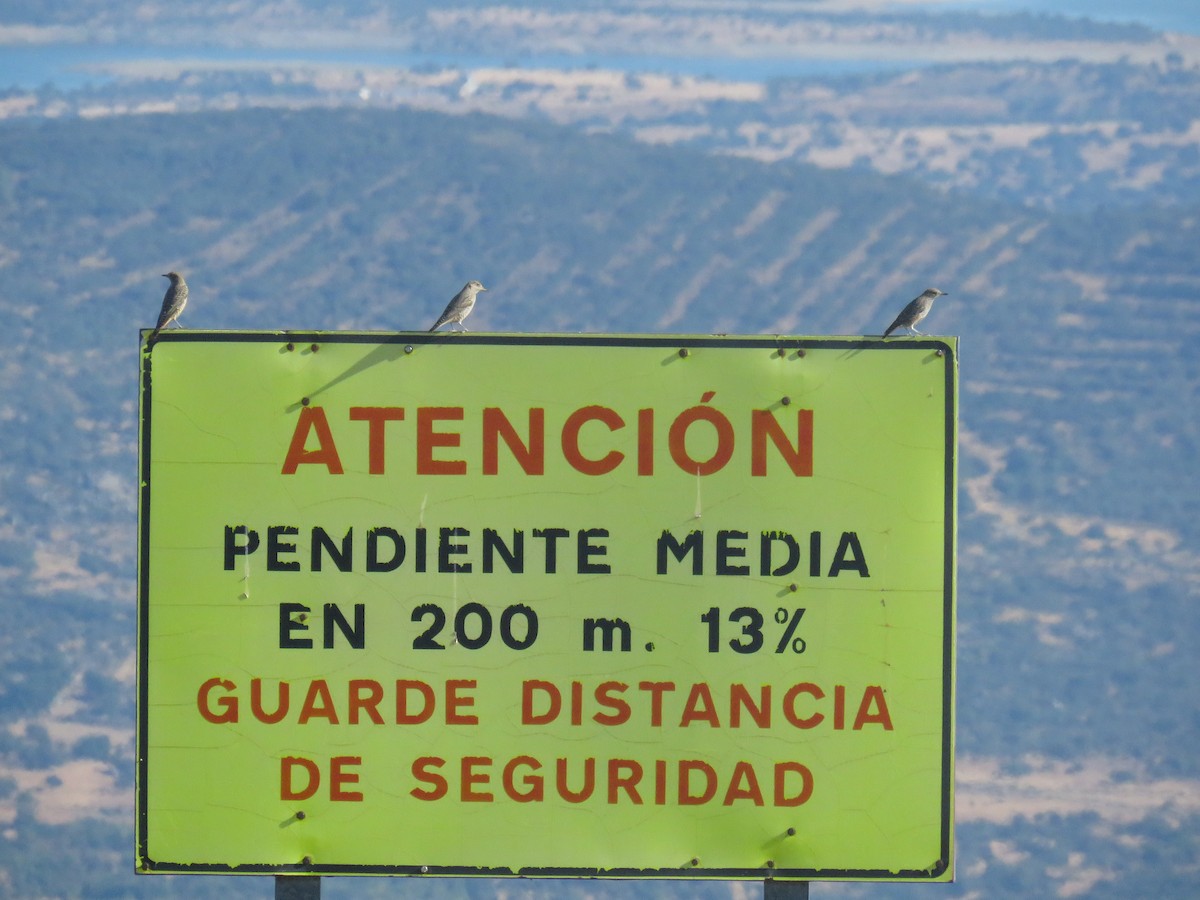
785	890
297	887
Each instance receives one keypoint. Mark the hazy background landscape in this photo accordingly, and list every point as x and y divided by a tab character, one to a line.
675	166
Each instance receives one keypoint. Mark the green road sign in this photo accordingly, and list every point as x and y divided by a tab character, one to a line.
586	605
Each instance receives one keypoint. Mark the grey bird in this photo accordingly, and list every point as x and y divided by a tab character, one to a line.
915	312
460	307
173	303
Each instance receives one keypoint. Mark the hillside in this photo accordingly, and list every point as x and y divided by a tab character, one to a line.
1079	506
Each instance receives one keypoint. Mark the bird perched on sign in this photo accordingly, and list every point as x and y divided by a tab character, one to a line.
460	307
915	312
173	303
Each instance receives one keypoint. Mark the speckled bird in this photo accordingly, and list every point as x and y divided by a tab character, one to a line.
917	310
460	307
173	303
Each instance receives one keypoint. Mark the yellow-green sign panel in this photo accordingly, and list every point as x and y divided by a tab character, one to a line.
560	605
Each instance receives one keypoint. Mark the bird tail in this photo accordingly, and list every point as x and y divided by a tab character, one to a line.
890	329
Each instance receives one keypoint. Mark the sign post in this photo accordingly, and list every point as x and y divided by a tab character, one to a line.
589	605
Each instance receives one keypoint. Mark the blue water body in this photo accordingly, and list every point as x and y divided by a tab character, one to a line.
69	67
48	65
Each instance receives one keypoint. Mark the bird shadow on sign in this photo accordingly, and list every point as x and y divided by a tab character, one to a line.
382	354
854	351
871	340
